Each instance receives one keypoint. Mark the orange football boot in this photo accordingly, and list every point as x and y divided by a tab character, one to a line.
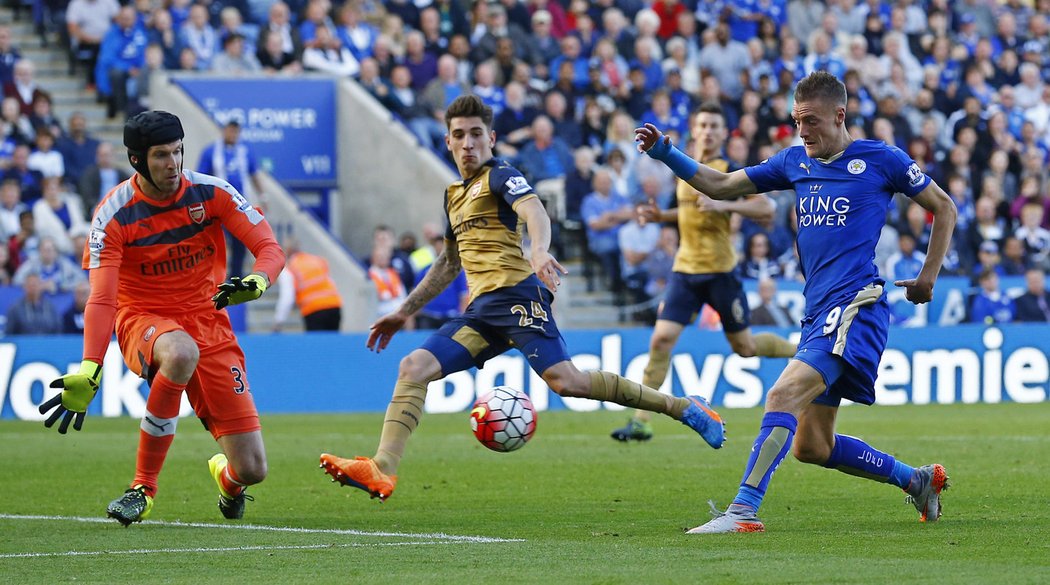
361	473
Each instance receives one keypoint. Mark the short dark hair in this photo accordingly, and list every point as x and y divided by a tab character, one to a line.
821	86
468	106
711	107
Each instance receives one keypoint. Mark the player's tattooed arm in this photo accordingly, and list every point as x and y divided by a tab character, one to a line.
445	269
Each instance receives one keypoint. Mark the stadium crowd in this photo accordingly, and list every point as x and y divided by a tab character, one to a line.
963	87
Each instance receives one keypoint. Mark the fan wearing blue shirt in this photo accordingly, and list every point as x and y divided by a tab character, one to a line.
844	188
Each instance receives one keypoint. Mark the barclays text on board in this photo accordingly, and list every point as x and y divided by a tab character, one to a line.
335	373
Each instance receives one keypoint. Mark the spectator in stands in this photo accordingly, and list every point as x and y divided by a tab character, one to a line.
382	238
198	34
23	87
769	311
991	305
513	126
98	178
87	22
1029	91
121	57
1036	238
420	63
356	33
624	183
280	22
637	240
603	213
988	258
328	55
578	185
758	263
15	127
504	61
24	244
29	179
660	263
44	158
58	273
43	116
307	282
57	214
1034	305
546	156
73	319
542	46
1014	262
444	88
497	26
390	288
274	59
907	262
9	55
232	22
485	87
77	147
234	58
33	314
11	207
161	32
986	227
565	127
414	112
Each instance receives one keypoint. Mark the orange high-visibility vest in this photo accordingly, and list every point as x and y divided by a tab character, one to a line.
388	283
314	288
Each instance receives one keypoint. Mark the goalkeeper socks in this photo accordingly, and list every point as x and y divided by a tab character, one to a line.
231	484
855	457
620	390
402	417
157	430
653	377
770	345
770	447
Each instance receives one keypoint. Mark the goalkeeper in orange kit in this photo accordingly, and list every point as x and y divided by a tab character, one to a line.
157	260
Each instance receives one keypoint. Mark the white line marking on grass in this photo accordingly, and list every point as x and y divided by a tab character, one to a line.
94	553
435	536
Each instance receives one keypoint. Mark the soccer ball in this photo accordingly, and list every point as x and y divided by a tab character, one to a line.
503	419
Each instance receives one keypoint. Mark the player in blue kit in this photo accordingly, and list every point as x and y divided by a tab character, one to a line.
843	189
510	306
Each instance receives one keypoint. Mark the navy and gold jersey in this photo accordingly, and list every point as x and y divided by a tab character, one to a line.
705	247
483	222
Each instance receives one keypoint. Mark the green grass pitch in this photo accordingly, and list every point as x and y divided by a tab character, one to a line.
572	506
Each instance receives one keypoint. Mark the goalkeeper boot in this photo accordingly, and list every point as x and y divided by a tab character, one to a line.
231	506
361	473
925	491
736	518
635	430
700	417
133	506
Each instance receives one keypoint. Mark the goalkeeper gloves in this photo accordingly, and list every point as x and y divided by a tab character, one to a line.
237	290
77	391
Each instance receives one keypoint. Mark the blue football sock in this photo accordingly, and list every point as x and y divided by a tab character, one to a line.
855	457
770	448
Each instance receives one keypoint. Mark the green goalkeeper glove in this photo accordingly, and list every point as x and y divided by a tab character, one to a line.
237	290
77	391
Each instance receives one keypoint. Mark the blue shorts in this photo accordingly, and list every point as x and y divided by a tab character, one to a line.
847	351
515	316
688	293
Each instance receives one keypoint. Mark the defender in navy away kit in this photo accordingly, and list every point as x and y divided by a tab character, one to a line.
843	190
510	306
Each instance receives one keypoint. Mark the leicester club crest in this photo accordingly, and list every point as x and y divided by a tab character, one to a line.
197	212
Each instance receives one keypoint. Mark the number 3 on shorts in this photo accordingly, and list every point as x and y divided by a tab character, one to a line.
832	322
238	380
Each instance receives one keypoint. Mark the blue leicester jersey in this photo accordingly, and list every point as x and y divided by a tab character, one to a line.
841	207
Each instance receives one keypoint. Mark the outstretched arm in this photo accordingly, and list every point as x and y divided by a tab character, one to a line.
443	271
539	223
755	207
937	202
715	184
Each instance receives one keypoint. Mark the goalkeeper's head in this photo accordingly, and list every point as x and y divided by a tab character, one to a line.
146	130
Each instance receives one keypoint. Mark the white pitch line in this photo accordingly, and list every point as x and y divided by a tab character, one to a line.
438	536
96	553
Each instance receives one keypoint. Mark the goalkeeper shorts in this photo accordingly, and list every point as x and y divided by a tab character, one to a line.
218	391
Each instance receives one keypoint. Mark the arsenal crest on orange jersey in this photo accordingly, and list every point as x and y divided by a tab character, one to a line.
197	212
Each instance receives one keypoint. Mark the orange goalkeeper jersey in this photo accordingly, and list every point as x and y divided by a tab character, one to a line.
167	257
